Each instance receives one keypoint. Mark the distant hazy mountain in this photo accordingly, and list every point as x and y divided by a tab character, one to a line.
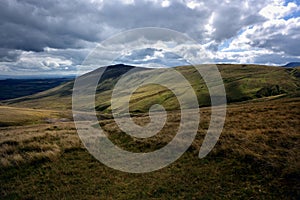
292	64
14	88
28	77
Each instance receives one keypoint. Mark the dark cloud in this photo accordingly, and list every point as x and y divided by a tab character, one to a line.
282	36
229	20
33	24
71	28
8	55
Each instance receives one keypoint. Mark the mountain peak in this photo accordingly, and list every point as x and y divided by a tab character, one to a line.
119	65
292	64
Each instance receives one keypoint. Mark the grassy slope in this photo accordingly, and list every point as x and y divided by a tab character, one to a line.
60	97
11	116
242	82
256	157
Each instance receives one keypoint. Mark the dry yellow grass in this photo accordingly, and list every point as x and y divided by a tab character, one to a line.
12	116
35	143
256	156
264	130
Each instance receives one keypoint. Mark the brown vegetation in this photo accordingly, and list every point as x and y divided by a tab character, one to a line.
256	156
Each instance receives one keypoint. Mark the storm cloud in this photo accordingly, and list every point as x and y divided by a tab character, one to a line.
56	35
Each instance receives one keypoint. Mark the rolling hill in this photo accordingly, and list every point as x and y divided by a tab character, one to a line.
257	155
242	82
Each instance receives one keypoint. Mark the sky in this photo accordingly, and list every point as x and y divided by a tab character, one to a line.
55	36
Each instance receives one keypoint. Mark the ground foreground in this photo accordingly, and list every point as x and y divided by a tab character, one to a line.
257	157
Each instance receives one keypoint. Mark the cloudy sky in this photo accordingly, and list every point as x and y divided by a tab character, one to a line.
54	36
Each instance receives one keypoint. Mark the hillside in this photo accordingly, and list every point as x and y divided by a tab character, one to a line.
242	82
12	116
257	156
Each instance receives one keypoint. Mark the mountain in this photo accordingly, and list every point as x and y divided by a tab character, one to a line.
242	82
292	64
60	97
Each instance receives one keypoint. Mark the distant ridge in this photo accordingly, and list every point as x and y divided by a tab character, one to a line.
36	77
292	64
14	88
